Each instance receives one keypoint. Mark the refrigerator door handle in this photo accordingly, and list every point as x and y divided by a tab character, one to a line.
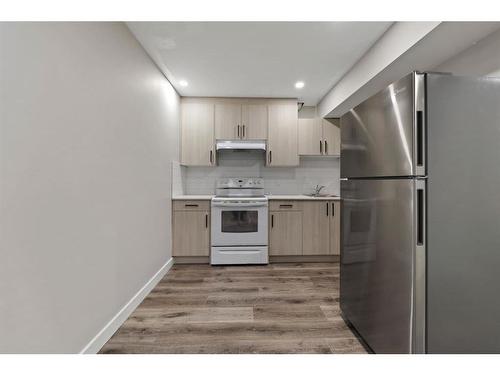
419	121
420	217
419	271
420	138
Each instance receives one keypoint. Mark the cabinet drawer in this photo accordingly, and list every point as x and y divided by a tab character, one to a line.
285	206
191	205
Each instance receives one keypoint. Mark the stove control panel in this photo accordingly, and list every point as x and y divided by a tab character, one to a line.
241	183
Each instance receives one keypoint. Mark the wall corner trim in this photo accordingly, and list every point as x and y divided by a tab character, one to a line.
112	326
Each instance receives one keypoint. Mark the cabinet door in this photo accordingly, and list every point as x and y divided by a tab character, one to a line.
197	134
316	228
282	143
285	236
254	120
228	121
191	233
310	136
331	136
335	228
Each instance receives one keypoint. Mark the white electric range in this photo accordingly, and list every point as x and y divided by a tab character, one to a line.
239	222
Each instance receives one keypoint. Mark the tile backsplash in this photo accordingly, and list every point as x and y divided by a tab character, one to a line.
312	170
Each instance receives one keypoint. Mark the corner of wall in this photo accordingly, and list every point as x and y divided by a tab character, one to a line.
112	326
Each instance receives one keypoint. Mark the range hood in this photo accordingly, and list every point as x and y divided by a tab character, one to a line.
239	144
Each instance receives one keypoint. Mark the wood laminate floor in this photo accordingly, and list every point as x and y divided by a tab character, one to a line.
278	308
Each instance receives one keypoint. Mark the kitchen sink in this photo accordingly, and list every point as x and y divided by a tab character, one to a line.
320	195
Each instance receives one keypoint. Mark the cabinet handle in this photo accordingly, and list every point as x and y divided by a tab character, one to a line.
243	127
333	209
321	147
206	220
326	208
270	156
190	205
286	205
326	148
238	131
272	221
211	157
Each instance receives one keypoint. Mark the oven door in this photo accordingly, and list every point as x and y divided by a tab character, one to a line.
239	223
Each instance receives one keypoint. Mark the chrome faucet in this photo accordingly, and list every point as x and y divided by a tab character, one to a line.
317	189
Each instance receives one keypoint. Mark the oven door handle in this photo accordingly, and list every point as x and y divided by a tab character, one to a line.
237	205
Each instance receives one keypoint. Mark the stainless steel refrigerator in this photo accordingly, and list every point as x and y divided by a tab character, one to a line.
420	254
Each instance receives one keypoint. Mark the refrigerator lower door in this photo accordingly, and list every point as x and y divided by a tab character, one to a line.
379	230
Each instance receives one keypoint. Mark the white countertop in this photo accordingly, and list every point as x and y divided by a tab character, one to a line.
192	197
298	197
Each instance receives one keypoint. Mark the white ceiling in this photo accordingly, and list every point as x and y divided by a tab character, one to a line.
256	59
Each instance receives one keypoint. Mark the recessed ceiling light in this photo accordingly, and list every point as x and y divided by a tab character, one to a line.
183	83
299	84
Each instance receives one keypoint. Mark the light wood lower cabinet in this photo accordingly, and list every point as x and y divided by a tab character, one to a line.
304	228
285	234
316	228
191	228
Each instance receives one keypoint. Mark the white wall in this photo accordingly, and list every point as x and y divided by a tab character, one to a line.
405	47
400	37
88	130
481	59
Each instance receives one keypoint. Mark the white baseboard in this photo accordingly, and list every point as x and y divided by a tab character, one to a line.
112	326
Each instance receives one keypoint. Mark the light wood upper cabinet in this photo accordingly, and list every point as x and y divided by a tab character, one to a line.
316	227
228	121
335	228
190	228
331	136
254	121
205	120
310	136
241	121
319	136
197	134
285	234
282	135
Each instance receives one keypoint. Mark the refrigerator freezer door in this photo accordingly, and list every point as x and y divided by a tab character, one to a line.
379	136
378	244
463	215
